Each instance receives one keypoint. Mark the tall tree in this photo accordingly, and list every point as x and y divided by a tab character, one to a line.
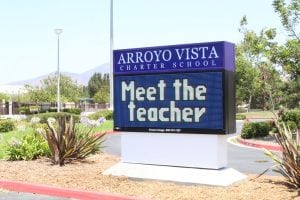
98	87
255	71
289	16
270	86
288	55
246	79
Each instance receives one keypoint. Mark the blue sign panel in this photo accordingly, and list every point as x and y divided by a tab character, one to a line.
179	58
175	89
170	102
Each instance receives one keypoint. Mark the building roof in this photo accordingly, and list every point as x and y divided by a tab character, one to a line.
12	89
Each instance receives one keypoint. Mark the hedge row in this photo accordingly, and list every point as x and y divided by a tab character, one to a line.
107	114
37	109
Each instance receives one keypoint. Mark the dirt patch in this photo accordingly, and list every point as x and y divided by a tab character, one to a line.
87	175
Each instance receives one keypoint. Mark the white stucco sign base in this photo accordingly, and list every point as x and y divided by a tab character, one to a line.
186	158
181	150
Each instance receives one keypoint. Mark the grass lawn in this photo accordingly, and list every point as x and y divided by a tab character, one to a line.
259	114
106	126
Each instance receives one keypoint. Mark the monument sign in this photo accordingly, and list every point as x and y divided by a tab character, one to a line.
184	89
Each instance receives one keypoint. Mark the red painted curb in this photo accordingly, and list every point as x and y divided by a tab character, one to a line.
271	147
59	192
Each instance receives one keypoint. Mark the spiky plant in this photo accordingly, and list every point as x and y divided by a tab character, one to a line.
288	163
67	142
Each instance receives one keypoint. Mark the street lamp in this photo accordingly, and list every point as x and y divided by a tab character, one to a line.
111	88
58	32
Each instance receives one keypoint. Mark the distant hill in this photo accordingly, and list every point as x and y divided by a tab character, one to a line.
82	78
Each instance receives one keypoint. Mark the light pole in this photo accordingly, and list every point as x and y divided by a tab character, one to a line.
111	88
58	32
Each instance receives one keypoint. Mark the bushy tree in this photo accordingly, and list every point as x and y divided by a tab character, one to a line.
288	56
278	64
102	96
70	91
3	96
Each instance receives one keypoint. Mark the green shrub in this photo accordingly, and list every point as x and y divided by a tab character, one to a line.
240	117
52	109
75	111
30	147
247	131
34	109
107	114
255	129
44	116
24	110
292	116
29	110
274	130
6	125
292	126
262	129
273	126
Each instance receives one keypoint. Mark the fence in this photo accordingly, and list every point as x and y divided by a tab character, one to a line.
14	108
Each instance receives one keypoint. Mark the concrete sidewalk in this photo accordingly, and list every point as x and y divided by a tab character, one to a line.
9	195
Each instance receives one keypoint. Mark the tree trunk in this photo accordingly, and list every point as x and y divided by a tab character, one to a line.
249	103
272	102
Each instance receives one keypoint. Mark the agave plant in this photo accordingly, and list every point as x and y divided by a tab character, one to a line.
288	163
67	142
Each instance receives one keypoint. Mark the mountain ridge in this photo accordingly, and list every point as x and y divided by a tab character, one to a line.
81	78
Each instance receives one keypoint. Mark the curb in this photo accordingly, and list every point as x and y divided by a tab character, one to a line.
112	132
259	144
59	192
107	132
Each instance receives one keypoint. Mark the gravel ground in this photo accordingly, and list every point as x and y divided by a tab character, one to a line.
87	175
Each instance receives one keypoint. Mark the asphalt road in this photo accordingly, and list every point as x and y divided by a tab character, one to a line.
248	161
243	159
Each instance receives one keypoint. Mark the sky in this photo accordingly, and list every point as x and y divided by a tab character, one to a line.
28	44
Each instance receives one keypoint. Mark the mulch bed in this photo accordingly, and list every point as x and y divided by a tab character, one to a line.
87	175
